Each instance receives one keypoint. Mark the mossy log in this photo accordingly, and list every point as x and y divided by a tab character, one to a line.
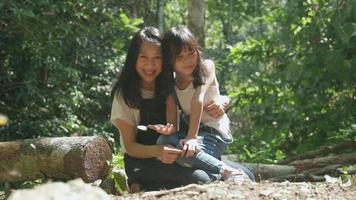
62	158
262	171
345	145
345	159
307	169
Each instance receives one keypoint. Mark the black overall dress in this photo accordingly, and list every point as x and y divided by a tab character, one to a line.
151	173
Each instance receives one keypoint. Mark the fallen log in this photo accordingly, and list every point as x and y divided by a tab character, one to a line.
308	169
332	170
267	171
262	171
62	158
302	177
343	159
350	144
351	171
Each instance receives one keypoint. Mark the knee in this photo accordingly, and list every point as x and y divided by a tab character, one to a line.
163	139
244	168
200	177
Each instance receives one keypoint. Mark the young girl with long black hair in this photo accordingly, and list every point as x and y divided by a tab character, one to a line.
140	97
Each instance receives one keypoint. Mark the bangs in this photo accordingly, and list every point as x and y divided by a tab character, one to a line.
183	40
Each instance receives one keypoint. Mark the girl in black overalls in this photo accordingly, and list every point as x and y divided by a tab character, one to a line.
139	97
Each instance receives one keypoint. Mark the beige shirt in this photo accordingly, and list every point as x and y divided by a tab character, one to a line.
222	124
120	110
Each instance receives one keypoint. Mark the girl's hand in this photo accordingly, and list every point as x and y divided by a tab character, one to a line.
169	154
190	147
216	108
162	129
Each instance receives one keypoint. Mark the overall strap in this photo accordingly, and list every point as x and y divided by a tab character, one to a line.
183	120
184	117
176	99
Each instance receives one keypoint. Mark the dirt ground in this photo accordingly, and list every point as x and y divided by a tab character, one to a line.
332	189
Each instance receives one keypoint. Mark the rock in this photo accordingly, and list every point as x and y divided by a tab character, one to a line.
75	189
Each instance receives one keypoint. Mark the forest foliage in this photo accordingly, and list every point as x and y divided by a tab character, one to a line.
289	68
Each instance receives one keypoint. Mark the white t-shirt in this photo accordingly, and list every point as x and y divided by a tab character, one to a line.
120	110
222	124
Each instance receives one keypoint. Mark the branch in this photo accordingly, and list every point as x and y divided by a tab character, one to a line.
332	170
343	159
350	144
298	178
158	194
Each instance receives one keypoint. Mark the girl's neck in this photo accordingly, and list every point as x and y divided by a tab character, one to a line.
148	86
183	82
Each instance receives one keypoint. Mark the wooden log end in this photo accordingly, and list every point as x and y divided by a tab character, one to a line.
97	156
91	161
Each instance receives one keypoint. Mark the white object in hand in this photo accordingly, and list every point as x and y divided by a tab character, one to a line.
142	127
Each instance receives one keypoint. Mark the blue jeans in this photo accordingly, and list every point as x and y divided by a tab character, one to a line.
212	146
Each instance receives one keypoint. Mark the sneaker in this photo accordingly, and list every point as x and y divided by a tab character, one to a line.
235	175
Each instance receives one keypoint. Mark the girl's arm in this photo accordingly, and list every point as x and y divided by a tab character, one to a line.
198	99
195	113
217	107
190	145
166	153
134	149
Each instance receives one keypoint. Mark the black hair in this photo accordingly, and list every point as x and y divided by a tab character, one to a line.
128	81
174	41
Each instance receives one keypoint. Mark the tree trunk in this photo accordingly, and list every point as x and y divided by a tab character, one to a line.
196	19
228	24
135	8
59	158
160	14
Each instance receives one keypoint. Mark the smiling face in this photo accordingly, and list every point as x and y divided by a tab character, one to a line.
186	62
149	64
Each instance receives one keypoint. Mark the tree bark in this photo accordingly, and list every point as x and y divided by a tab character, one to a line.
196	20
350	144
308	169
160	14
298	178
332	170
343	159
228	24
58	158
262	171
267	171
